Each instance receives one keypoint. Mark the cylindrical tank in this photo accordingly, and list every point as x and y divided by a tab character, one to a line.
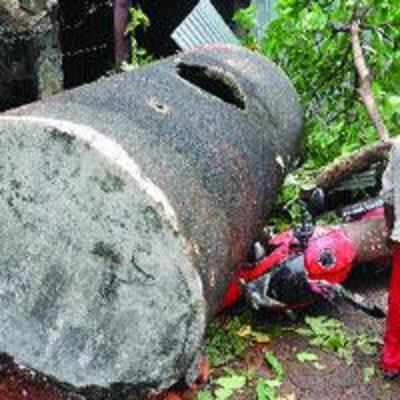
125	206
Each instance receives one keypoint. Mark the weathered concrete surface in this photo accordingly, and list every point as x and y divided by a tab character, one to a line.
337	379
126	205
30	58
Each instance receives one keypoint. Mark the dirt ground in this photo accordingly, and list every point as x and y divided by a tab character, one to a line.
335	379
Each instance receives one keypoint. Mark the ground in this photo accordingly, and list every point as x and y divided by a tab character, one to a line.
324	373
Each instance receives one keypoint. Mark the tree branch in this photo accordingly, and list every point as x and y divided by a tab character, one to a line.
354	162
361	159
365	89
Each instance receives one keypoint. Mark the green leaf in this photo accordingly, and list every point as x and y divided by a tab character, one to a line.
275	364
368	374
226	341
228	386
139	56
314	20
304	331
307	357
393	105
246	17
204	395
266	389
368	344
329	334
233	382
223	394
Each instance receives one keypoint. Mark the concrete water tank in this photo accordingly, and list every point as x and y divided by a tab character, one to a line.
125	206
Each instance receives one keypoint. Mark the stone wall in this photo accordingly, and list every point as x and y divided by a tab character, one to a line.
30	57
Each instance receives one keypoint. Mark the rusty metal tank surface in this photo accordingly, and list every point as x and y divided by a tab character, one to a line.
125	206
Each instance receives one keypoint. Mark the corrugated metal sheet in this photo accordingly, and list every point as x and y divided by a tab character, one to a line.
203	26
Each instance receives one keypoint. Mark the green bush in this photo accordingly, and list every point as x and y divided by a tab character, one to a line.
306	41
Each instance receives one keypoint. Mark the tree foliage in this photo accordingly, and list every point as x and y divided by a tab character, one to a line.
309	41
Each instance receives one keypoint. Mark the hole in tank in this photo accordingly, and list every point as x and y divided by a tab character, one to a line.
213	82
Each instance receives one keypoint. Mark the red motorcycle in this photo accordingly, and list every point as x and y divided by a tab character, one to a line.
310	262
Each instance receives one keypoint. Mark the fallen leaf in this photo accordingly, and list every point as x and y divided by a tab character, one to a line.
319	366
275	364
245	331
291	396
307	357
260	337
368	373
